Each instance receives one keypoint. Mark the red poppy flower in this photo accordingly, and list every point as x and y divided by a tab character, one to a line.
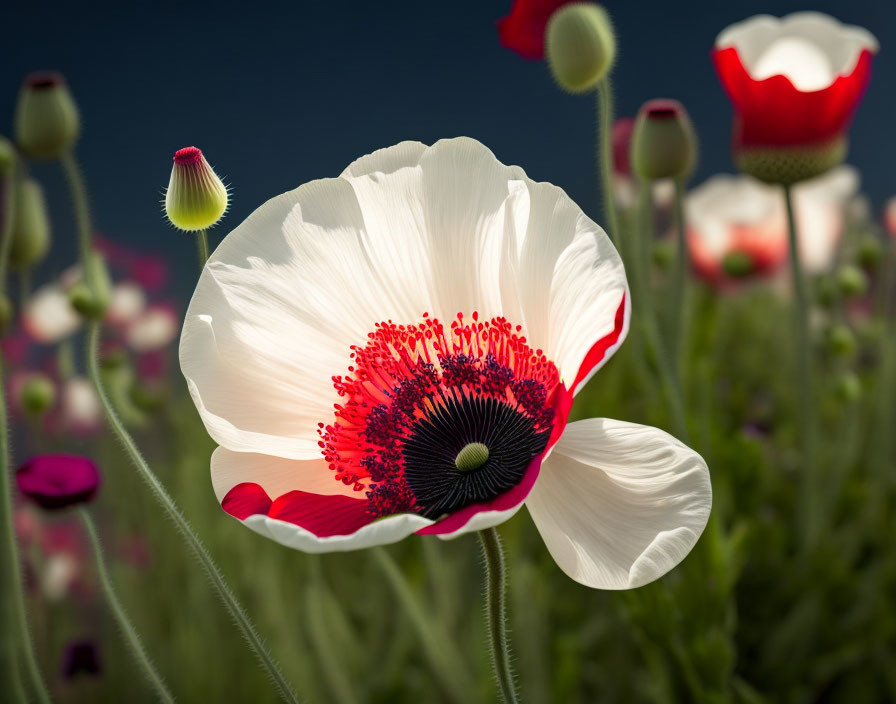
57	481
523	29
795	84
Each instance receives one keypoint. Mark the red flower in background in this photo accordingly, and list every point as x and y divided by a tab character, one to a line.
794	82
523	29
58	481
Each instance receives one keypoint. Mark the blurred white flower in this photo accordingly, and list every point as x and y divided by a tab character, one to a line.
153	329
738	225
48	317
127	301
82	411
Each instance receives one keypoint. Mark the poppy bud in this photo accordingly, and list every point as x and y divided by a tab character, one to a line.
871	252
90	295
31	225
840	341
38	394
664	144
46	118
848	387
580	46
851	281
196	198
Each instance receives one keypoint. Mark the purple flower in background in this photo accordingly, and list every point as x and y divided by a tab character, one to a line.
57	481
80	656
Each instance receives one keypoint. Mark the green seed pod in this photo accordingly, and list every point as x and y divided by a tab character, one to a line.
196	198
580	46
38	394
840	341
30	227
90	296
851	281
664	144
738	264
870	253
46	119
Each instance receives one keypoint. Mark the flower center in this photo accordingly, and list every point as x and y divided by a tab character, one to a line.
472	457
434	419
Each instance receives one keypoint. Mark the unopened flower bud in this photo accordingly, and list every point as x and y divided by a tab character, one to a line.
851	281
90	295
38	394
46	120
840	341
664	144
30	227
871	252
848	387
580	46
196	198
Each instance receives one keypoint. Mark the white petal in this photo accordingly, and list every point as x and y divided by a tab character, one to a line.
276	475
619	505
405	230
382	532
810	48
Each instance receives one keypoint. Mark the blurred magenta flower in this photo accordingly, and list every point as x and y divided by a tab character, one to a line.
350	415
58	481
737	226
523	29
81	657
795	84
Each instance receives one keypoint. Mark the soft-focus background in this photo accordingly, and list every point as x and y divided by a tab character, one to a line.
277	95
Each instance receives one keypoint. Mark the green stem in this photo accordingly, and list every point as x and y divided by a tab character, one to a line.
444	660
202	248
679	316
16	635
605	157
127	628
78	191
804	374
212	572
496	613
645	314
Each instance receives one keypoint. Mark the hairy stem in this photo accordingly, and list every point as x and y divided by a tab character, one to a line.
121	617
605	156
496	613
192	541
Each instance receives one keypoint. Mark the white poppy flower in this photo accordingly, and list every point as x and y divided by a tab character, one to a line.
48	317
396	351
82	411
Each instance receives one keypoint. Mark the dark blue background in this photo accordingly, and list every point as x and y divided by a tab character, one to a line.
277	95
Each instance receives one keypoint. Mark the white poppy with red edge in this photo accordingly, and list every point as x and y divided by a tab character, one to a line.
396	351
739	217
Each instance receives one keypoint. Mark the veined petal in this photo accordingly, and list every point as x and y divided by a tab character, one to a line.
618	504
